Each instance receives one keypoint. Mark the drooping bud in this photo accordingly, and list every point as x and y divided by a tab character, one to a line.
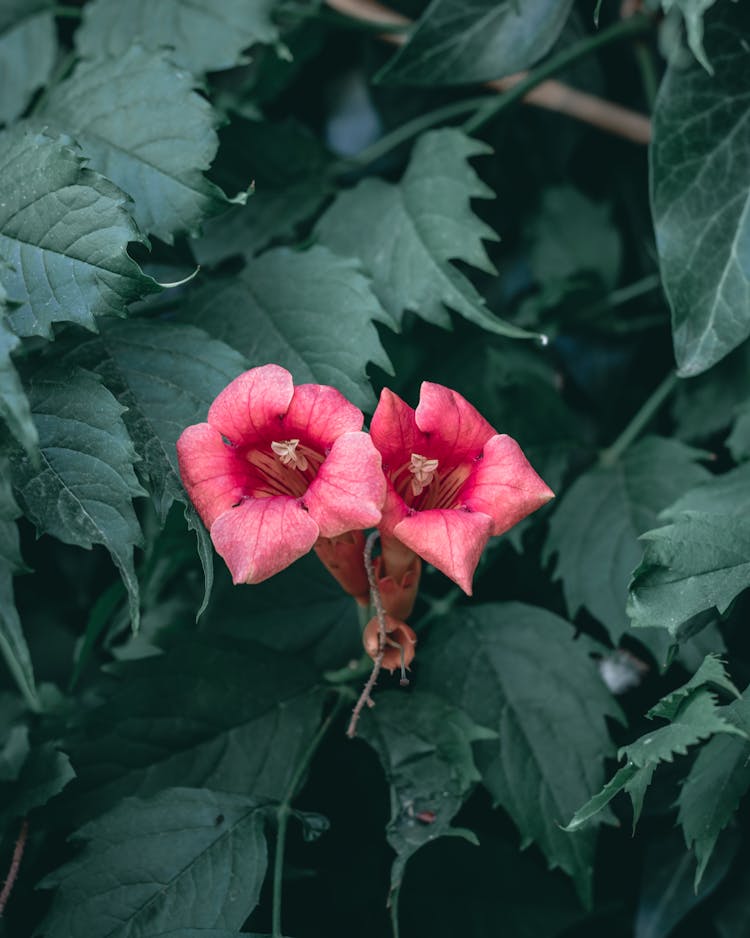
400	642
397	570
343	557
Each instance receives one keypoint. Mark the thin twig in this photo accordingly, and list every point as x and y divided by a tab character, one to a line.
15	865
552	95
364	697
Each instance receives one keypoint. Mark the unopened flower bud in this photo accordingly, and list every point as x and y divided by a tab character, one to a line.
397	571
400	642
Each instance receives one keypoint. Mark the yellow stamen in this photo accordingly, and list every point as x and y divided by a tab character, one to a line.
286	450
423	470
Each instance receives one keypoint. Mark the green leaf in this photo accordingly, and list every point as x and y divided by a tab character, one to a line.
424	745
692	12
595	527
64	234
186	857
694	715
14	405
28	46
698	562
202	36
407	234
457	42
291	181
217	714
717	780
44	774
141	124
705	405
700	193
310	311
738	441
552	737
82	493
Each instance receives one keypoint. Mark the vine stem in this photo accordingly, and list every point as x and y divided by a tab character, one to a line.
364	697
284	809
15	865
612	453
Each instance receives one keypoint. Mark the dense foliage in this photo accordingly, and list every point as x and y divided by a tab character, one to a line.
192	189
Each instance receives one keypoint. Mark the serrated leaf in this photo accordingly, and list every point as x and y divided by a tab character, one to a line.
64	233
223	715
629	778
424	745
187	857
406	235
711	672
700	193
310	311
28	46
698	562
717	781
461	41
141	124
83	490
728	493
594	529
552	737
45	773
201	35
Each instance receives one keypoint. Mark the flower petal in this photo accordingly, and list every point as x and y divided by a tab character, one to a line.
450	539
504	485
248	410
211	471
394	431
458	429
318	415
348	491
262	536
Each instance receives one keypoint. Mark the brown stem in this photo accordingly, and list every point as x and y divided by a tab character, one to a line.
552	95
364	697
15	865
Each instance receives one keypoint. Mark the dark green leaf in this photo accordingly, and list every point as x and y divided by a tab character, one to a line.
717	781
552	737
424	745
310	311
406	235
711	673
141	124
14	405
28	46
232	717
693	12
202	36
186	857
460	41
594	529
64	234
738	441
44	774
701	192
82	493
705	405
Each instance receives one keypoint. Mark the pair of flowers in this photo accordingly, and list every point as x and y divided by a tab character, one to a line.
279	469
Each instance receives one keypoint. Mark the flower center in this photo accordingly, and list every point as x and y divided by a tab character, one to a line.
423	472
285	468
286	450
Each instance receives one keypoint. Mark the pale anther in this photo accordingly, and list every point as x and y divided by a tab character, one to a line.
423	470
286	450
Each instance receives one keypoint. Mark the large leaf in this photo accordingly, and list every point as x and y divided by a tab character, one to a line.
424	745
13	645
718	779
595	528
186	857
552	739
459	41
700	193
28	45
310	311
229	716
64	233
203	36
141	124
406	235
82	493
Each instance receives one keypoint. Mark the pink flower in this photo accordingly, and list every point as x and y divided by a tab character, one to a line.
453	482
277	467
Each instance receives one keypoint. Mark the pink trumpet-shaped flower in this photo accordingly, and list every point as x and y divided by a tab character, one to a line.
453	482
276	467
